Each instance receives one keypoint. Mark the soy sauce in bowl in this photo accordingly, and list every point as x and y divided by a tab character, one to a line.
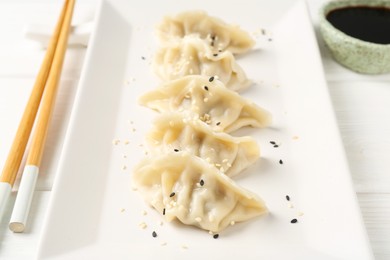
371	24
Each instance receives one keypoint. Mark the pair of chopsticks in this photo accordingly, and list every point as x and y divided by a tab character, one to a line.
42	97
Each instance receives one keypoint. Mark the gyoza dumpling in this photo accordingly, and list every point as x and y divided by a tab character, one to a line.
172	132
218	34
207	99
192	56
183	186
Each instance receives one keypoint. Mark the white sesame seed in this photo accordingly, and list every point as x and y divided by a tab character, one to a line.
115	141
217	165
229	165
163	243
225	160
122	210
198	219
211	232
205	100
184	246
143	225
126	142
232	223
124	167
161	223
144	213
171	123
290	205
300	213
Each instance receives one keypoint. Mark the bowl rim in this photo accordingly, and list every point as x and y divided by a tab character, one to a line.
338	4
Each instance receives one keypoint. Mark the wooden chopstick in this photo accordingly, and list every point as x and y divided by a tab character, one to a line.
30	173
18	147
45	109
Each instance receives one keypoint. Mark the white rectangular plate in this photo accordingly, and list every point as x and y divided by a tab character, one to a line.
94	214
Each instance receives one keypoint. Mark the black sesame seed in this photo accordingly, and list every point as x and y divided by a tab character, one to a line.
201	182
276	146
287	198
164	211
213	37
176	150
154	234
218	123
272	142
215	54
172	194
142	57
212	44
216	236
294	220
280	161
219	50
206	88
211	79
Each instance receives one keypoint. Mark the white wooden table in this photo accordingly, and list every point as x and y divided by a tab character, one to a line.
361	104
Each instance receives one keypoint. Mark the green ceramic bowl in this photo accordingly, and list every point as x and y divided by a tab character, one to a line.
360	56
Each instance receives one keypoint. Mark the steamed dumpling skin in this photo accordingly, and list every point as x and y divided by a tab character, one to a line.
216	33
192	56
173	132
184	187
222	109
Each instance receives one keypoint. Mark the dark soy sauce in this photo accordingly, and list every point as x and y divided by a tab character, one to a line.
371	24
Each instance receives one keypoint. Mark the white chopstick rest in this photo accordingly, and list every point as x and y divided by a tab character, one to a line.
24	198
5	191
79	34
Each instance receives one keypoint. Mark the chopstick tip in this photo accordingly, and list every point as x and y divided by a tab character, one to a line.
16	227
